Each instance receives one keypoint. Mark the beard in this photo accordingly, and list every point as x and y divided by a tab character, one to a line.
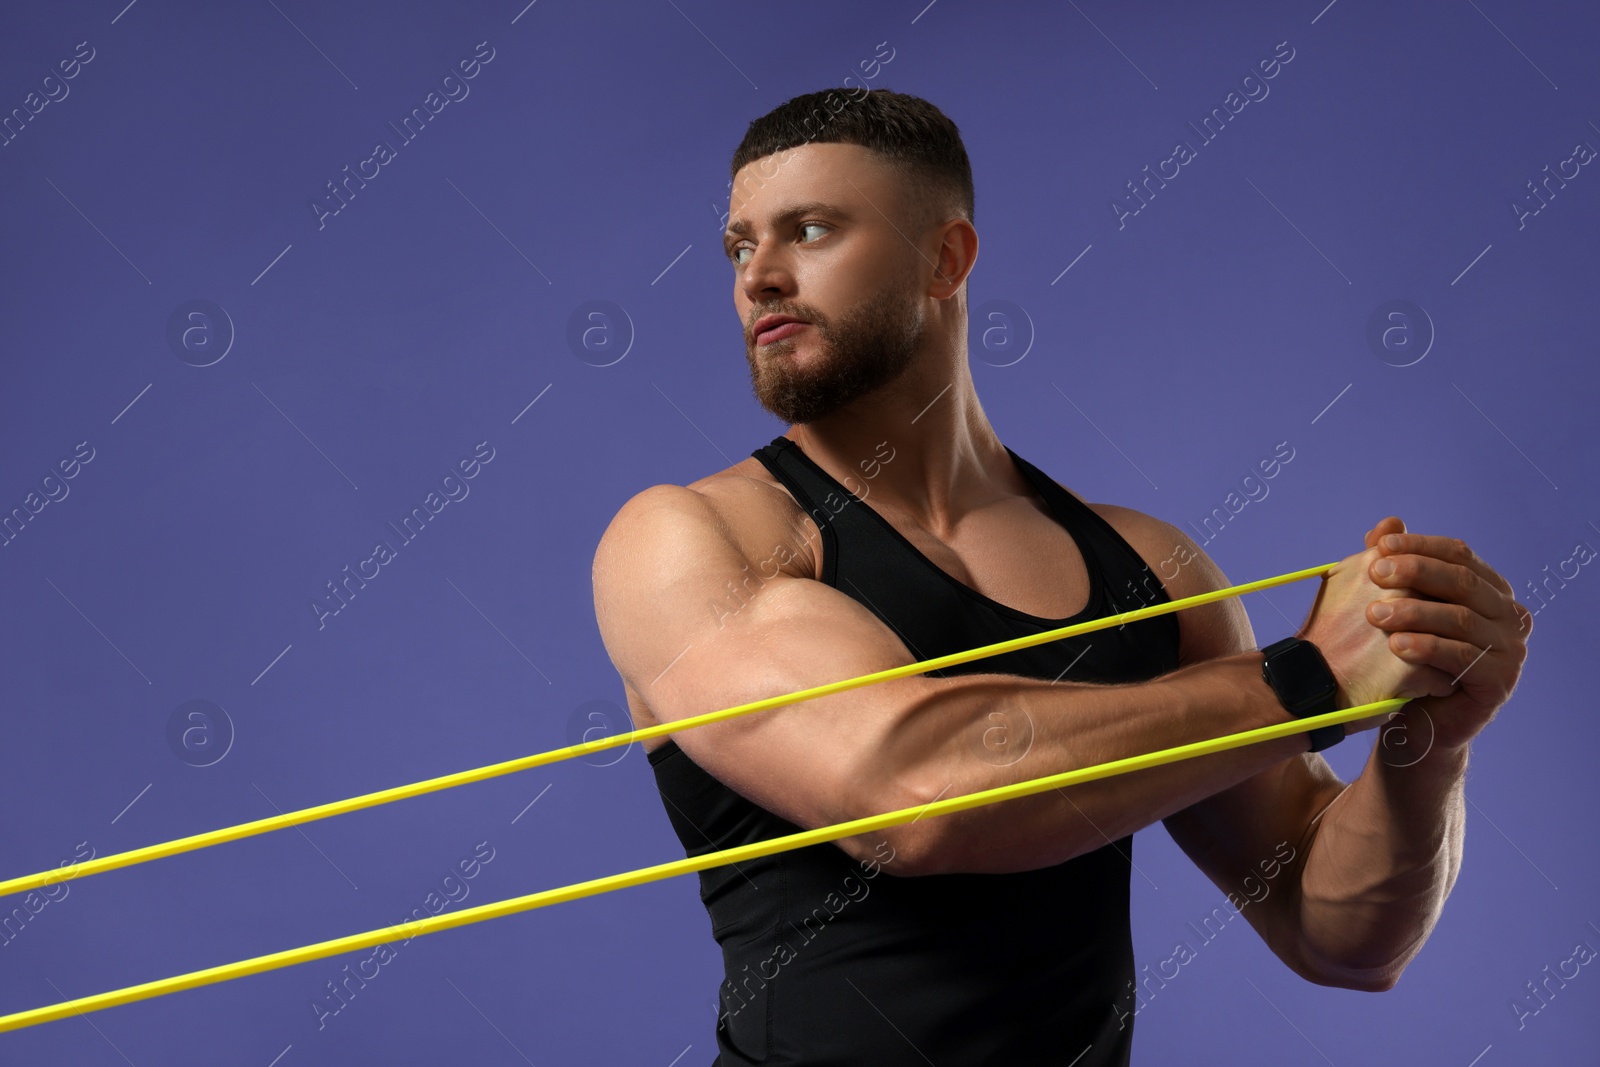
866	348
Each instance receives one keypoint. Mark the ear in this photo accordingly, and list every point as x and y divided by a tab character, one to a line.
957	252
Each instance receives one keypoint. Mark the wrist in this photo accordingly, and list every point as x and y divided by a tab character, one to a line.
1299	676
1342	696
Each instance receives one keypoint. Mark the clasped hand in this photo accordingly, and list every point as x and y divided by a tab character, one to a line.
1416	615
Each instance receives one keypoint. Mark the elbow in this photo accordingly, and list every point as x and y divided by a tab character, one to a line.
1374	980
959	842
903	851
1363	977
1379	985
1365	954
909	850
916	849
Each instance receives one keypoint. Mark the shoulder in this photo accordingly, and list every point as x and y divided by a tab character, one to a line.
675	556
1221	628
741	513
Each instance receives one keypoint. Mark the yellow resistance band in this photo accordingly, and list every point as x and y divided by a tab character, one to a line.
593	887
493	770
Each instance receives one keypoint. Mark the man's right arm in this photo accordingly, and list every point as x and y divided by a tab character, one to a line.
667	556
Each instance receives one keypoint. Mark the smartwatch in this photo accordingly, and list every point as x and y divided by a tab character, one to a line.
1304	684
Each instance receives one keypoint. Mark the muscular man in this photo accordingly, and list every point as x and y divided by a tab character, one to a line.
889	525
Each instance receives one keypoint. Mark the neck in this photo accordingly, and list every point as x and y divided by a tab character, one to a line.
921	445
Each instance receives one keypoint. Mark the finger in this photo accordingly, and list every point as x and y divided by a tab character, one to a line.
1442	580
1505	639
1426	680
1524	616
1459	662
1439	618
1388	525
1451	549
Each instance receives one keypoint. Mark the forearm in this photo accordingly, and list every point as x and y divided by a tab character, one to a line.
1379	864
946	749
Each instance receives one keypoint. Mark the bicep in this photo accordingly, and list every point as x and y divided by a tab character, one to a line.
660	581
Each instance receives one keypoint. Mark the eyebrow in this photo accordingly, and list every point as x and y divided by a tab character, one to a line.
741	228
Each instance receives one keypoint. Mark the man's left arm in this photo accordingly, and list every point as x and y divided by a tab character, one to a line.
1384	855
1345	881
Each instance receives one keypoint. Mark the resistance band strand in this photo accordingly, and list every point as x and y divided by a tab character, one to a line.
430	785
610	883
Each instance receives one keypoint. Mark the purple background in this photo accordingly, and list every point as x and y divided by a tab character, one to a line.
587	163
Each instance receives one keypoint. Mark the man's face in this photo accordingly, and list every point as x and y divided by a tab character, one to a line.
809	238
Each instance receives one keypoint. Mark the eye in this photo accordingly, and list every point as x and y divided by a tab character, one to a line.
733	253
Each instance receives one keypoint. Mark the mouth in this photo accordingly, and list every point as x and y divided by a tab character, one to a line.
775	328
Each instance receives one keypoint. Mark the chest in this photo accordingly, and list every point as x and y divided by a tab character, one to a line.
1015	554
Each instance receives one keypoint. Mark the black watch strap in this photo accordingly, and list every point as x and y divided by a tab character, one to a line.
1304	684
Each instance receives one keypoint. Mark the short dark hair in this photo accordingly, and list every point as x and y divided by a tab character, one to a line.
910	134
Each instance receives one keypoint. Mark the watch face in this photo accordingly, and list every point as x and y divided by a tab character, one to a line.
1299	675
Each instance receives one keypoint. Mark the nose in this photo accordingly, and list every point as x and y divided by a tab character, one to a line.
766	275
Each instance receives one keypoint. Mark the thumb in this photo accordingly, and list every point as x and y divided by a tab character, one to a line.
1387	525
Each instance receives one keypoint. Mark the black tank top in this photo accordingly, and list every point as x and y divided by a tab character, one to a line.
830	960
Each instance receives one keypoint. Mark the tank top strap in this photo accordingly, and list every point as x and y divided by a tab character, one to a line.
822	498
